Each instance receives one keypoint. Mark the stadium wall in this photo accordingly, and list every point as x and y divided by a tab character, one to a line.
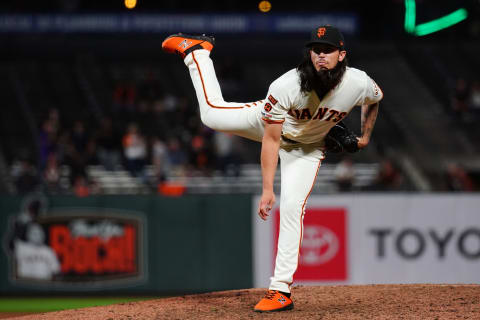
197	243
125	244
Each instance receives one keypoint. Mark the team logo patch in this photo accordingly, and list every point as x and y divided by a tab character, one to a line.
268	107
272	100
321	32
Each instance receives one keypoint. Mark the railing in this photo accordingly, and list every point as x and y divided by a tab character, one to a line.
249	180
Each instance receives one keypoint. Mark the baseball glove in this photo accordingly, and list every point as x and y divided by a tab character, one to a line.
340	139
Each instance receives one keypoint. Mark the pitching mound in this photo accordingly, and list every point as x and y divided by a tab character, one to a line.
326	302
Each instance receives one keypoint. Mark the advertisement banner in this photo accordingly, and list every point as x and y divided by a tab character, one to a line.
74	247
365	239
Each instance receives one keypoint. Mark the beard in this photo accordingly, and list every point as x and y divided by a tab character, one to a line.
326	80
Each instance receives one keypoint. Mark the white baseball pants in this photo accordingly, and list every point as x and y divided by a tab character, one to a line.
299	165
243	119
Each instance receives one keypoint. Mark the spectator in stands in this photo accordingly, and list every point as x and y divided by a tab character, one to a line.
74	146
54	117
51	174
149	89
228	160
91	157
144	118
134	150
460	99
79	137
457	178
176	156
201	153
124	96
389	177
80	186
162	123
345	174
170	103
475	99
25	177
160	160
108	150
47	140
180	113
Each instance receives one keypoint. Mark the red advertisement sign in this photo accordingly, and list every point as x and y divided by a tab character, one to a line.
323	254
93	253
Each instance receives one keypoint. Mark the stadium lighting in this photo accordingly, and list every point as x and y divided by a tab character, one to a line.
130	4
433	25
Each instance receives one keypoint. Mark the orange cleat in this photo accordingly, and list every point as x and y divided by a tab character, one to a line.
274	301
183	44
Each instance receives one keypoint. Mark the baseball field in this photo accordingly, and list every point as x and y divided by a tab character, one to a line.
418	301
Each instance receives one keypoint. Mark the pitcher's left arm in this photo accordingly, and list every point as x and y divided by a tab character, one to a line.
368	118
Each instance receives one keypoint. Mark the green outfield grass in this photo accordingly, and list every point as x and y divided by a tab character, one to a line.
58	303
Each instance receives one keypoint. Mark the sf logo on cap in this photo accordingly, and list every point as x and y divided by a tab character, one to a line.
321	32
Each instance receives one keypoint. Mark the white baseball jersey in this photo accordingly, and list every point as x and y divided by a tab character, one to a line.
306	118
34	261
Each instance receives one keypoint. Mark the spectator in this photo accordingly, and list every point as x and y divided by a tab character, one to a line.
94	187
144	118
176	156
460	99
159	159
75	148
200	155
457	178
47	140
389	178
51	174
108	150
90	154
135	150
228	160
345	174
79	137
54	118
162	123
80	186
149	89
475	99
124	96
25	177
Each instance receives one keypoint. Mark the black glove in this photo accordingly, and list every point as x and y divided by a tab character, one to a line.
340	139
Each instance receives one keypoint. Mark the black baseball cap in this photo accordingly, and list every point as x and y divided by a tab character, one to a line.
328	35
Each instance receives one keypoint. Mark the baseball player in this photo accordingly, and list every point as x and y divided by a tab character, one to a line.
299	110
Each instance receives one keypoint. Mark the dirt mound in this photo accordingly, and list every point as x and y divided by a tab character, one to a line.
325	302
